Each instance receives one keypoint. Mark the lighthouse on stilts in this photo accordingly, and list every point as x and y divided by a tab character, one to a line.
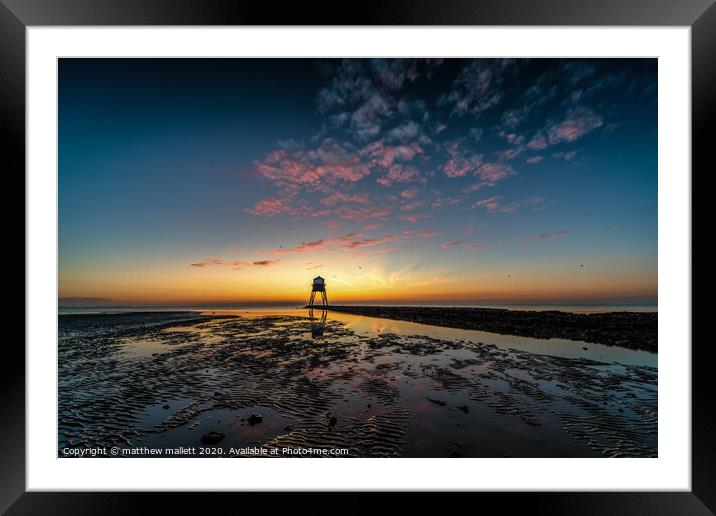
318	285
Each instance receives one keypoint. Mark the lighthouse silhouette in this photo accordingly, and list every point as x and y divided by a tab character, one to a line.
318	285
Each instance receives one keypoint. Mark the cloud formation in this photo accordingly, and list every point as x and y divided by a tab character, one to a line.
384	153
478	87
351	242
578	122
233	264
317	169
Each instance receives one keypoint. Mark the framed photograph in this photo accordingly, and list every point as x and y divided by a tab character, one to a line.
437	248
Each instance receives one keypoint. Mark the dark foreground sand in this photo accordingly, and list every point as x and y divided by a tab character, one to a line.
626	329
148	381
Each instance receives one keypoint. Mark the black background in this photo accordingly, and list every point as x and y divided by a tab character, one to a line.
15	15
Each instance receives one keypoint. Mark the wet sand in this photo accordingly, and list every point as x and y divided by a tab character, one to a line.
176	379
633	330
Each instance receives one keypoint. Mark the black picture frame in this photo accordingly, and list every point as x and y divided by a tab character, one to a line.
17	15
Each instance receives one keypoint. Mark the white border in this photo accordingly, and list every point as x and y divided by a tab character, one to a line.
671	470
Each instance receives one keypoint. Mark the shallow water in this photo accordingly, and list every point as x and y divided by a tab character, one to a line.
371	326
375	387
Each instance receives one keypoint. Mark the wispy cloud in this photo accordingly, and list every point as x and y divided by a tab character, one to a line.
303	247
270	207
338	197
265	263
490	203
478	87
233	264
495	204
423	233
567	156
361	97
578	122
316	169
208	263
351	242
401	174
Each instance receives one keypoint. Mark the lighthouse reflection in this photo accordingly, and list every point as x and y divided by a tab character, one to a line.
318	323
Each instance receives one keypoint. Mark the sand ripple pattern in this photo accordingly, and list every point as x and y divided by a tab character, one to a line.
130	380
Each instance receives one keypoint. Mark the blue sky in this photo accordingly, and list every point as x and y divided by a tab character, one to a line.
198	180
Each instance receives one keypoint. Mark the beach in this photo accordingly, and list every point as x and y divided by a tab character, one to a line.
633	330
278	383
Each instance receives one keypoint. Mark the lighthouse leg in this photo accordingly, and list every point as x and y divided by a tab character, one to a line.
313	296
324	298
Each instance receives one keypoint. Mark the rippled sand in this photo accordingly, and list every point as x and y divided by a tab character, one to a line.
166	380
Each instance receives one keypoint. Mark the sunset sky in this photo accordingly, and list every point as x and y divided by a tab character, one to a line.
201	181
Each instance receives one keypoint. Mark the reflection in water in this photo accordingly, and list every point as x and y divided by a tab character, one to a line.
376	387
318	325
372	326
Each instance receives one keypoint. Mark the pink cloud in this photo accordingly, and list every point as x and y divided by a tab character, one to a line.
578	122
494	204
409	218
400	174
303	247
461	162
270	207
333	225
362	213
538	142
386	155
444	201
346	243
409	193
533	160
338	197
452	245
412	205
509	154
490	204
494	172
349	243
293	168
475	186
514	138
424	233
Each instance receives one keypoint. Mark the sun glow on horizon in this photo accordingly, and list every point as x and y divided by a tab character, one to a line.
408	180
